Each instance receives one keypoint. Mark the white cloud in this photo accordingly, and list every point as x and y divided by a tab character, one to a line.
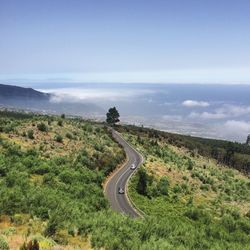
226	111
234	130
208	115
239	125
193	103
172	117
234	110
82	95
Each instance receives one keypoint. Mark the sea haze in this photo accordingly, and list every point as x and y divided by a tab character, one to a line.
214	111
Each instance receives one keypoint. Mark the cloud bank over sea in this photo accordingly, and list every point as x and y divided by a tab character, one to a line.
214	111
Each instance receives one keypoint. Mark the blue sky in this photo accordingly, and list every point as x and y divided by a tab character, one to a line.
125	41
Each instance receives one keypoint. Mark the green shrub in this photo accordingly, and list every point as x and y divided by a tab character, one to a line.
67	176
88	128
3	244
42	127
99	147
69	136
163	186
58	138
177	188
229	223
190	165
17	219
204	187
194	213
60	123
185	178
30	134
41	169
9	231
244	225
51	228
97	130
142	183
190	201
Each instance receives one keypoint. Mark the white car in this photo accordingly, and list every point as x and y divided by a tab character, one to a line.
121	190
133	167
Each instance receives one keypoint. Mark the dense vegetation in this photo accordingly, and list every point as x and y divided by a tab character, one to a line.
233	154
205	203
54	173
51	175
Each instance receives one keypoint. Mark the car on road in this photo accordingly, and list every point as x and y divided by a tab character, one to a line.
133	167
121	190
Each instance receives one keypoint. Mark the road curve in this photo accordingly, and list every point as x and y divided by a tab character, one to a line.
120	202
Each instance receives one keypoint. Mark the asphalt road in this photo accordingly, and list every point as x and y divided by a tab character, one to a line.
120	202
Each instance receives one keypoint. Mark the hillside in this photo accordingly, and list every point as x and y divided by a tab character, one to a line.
19	98
26	94
232	154
52	170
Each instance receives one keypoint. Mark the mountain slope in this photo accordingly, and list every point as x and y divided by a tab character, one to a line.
8	91
51	175
33	100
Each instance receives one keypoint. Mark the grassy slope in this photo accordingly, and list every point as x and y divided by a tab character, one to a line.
53	191
200	191
27	164
207	182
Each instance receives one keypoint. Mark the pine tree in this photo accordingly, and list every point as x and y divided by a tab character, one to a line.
112	116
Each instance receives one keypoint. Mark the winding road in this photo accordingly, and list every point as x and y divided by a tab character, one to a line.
120	178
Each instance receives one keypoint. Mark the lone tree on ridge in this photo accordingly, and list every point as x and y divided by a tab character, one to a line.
112	116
